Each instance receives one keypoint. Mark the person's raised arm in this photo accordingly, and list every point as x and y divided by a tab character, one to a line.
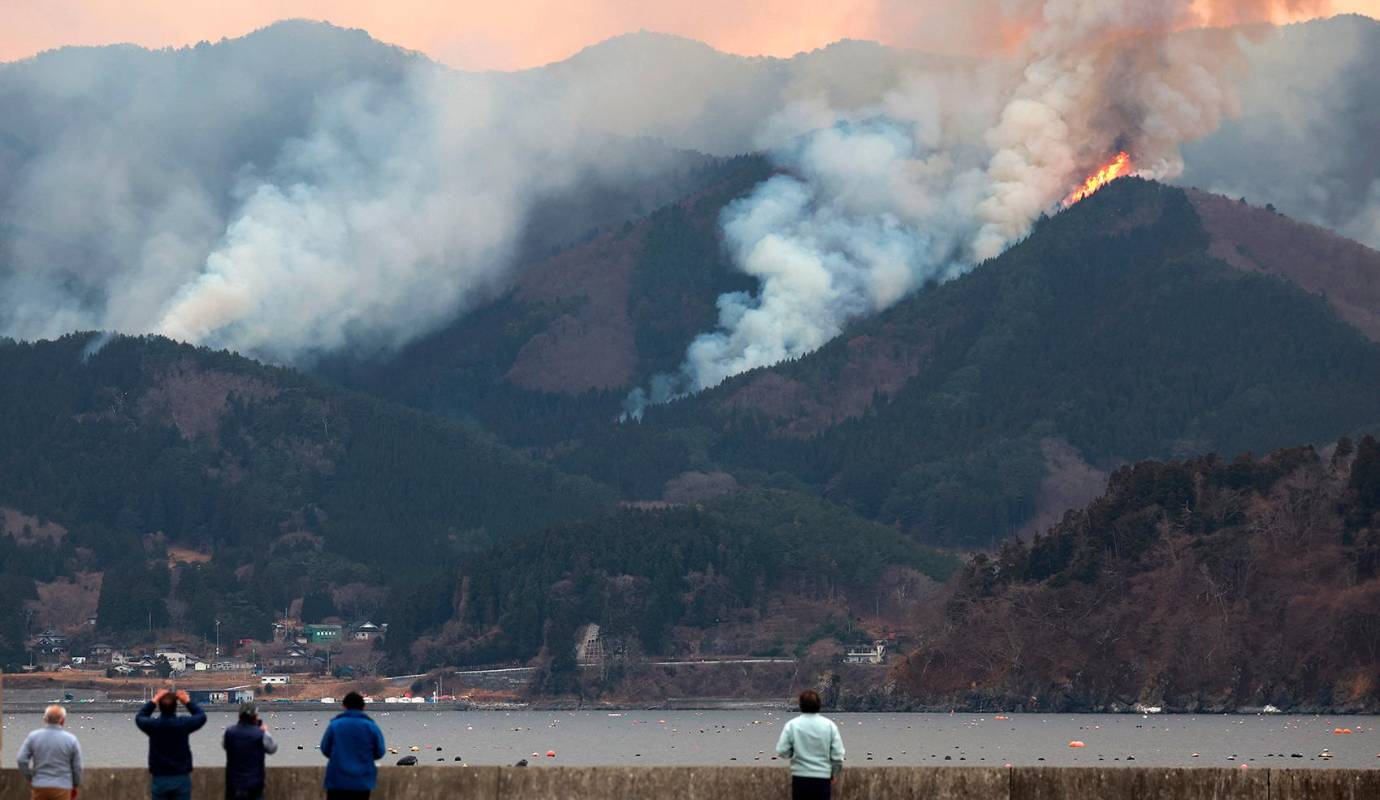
197	717
26	754
785	747
270	746
144	719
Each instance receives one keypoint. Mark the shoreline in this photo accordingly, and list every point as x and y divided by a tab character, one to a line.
131	706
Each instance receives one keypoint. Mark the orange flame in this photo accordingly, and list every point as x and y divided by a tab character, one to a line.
1116	168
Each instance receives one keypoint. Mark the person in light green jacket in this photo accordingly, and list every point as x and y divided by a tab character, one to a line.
815	749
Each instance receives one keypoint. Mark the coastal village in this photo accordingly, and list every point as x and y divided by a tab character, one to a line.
298	655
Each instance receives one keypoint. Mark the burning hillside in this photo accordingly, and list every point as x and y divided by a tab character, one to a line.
1118	167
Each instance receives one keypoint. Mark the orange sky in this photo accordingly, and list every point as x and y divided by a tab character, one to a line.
501	35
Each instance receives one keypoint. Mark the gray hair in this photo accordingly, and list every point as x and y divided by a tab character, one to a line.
54	715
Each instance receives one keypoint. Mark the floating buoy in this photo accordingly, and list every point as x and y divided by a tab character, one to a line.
1076	743
414	748
550	753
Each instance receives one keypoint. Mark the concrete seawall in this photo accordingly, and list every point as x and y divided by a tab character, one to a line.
758	783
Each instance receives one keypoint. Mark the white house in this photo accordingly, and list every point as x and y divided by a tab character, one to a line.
874	653
176	659
275	680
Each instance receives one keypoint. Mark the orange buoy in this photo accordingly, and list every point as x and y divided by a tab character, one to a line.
550	753
1076	743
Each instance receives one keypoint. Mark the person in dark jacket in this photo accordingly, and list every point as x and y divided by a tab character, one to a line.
353	743
170	753
246	743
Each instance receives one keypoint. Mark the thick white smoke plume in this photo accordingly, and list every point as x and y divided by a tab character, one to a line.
306	189
288	204
400	204
943	175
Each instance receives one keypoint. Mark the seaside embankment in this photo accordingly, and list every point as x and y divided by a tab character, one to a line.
760	783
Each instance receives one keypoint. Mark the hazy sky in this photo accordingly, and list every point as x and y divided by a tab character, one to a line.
506	34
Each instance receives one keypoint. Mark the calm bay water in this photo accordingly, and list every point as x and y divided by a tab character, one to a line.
584	738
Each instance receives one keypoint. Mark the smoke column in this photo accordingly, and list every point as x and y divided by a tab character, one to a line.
875	204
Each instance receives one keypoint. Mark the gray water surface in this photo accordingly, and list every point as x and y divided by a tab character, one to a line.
584	738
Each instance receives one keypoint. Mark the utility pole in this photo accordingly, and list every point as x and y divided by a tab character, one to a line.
217	638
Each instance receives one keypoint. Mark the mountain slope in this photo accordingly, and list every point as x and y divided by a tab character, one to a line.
1113	329
1205	585
145	453
579	329
751	573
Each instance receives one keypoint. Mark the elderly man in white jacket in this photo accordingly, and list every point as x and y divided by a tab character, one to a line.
50	759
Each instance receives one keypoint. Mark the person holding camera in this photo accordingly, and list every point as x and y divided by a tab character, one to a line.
246	744
170	752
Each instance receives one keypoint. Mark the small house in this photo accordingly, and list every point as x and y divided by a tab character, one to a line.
323	634
874	653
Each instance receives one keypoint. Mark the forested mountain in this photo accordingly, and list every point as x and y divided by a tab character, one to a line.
753	573
172	485
156	486
128	458
1202	585
448	455
1144	322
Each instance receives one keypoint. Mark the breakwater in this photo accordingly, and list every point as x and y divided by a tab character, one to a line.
762	783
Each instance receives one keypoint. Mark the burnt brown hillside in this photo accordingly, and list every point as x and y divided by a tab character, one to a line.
1345	273
1202	585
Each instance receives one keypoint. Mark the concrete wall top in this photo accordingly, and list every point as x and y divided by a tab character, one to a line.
764	783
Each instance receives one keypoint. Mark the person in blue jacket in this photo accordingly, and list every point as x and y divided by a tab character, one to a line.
170	753
352	742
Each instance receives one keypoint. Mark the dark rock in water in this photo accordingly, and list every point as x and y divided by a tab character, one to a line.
522	762
407	761
457	758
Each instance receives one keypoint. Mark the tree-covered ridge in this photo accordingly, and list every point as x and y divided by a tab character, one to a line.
659	276
1208	584
639	573
1110	328
143	445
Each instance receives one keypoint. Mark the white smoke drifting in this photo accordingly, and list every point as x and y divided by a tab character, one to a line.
946	175
306	189
287	204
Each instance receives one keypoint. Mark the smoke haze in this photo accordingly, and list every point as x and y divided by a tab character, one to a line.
307	190
949	175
